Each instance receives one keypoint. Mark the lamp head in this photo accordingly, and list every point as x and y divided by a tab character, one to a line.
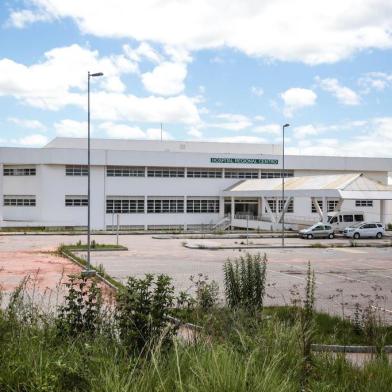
96	74
286	125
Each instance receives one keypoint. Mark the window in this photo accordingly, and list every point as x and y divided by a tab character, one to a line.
19	171
277	174
318	228
290	207
272	205
241	173
202	206
320	203
204	173
358	218
124	171
348	218
76	170
363	203
76	201
165	206
124	206
165	172
19	201
331	205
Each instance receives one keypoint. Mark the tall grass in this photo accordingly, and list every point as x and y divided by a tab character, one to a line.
238	350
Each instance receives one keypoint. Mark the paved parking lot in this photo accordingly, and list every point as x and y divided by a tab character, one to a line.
344	276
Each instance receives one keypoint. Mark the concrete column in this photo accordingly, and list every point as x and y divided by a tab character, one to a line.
318	209
325	210
185	213
232	209
145	210
383	215
221	207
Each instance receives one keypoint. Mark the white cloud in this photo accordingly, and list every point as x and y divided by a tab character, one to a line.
195	133
344	95
297	98
258	91
155	134
58	80
271	129
239	139
375	81
231	122
304	131
30	124
71	128
123	131
123	107
23	18
166	78
373	140
143	51
35	140
61	80
313	32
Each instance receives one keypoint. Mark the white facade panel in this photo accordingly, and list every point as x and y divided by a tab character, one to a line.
50	185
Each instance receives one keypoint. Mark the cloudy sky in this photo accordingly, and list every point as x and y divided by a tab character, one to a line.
225	70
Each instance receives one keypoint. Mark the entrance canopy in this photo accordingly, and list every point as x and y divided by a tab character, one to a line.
340	186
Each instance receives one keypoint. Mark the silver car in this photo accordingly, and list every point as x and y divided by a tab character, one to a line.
359	230
318	230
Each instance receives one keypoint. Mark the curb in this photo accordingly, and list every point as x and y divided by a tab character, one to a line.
332	246
74	260
334	348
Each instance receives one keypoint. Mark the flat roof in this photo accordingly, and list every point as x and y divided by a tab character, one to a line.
344	186
165	145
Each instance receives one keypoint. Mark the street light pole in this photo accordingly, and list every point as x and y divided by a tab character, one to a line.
283	178
88	271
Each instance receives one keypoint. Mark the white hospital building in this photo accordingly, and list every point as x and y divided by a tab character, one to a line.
183	185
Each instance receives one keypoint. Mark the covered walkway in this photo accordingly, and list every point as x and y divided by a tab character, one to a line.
331	190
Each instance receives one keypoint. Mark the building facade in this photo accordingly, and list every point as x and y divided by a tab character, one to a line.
158	184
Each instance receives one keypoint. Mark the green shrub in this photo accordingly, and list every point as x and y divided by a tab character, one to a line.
143	307
81	312
206	292
244	280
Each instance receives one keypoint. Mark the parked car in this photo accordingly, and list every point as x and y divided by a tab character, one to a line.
361	230
318	230
340	220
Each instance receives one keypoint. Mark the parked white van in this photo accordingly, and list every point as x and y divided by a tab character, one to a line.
340	220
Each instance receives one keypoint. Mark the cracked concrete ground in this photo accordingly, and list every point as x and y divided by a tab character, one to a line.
344	276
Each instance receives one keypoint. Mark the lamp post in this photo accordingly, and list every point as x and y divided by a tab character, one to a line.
88	271
283	177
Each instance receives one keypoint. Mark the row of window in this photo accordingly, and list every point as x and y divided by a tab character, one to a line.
161	206
19	201
363	203
331	205
133	171
19	171
127	206
272	204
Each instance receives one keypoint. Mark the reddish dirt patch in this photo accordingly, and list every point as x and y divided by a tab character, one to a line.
45	269
46	274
